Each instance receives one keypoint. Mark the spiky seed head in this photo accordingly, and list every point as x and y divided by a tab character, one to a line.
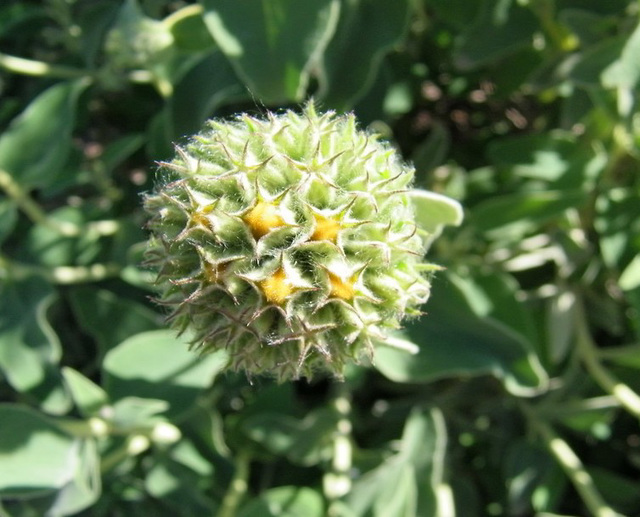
289	241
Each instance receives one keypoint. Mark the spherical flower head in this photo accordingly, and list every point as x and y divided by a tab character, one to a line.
290	242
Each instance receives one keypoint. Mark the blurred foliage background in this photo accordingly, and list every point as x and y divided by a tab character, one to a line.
522	399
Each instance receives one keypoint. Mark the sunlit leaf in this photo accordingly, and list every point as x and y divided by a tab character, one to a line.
366	31
454	341
37	458
137	412
88	397
618	225
630	277
392	487
285	501
28	344
588	66
522	212
625	71
557	158
37	143
434	211
188	29
178	488
137	40
158	365
274	46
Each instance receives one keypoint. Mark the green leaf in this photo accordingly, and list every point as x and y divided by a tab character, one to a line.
526	467
187	454
138	41
432	151
455	341
135	412
42	246
560	325
500	29
624	72
398	496
28	344
622	492
88	397
392	487
276	432
587	67
304	442
634	300
553	157
97	309
160	136
630	277
35	456
12	15
158	365
36	145
434	211
522	212
459	13
588	26
85	487
274	46
495	295
285	501
178	488
206	86
119	150
367	30
94	20
8	218
628	356
618	225
189	30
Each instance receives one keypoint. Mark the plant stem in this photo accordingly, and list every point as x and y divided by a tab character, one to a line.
238	486
588	351
578	406
38	216
61	275
337	481
134	445
32	67
20	65
571	464
31	209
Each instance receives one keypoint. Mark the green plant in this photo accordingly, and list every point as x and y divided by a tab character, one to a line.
515	394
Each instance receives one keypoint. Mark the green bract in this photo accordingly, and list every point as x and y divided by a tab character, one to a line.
290	242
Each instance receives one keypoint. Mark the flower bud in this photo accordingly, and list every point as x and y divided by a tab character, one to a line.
290	242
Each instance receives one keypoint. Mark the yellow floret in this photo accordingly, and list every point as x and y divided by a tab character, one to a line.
263	218
277	287
326	229
340	288
199	217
